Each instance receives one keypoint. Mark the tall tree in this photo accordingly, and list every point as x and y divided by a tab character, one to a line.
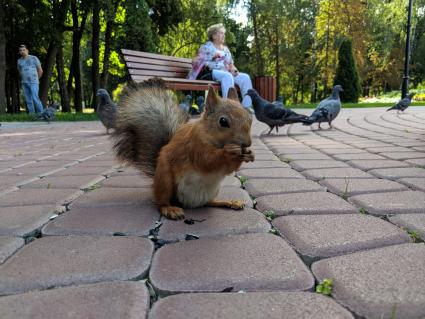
59	13
347	74
3	104
95	51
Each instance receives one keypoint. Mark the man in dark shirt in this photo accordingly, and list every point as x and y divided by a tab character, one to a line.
29	68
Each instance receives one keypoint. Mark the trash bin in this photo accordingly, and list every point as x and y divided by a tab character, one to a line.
266	87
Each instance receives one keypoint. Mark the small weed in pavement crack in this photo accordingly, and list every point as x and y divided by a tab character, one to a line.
363	211
91	188
325	287
270	215
414	235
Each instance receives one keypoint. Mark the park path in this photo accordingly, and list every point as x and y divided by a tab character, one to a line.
80	237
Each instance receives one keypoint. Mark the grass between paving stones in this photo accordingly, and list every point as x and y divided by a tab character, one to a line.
60	117
243	179
414	235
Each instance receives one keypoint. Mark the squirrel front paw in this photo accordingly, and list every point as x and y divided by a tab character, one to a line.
172	212
238	153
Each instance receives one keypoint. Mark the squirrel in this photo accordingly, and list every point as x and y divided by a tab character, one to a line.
188	160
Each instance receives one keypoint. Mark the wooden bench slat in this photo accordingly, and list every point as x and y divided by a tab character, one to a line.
139	66
126	52
139	78
149	61
152	73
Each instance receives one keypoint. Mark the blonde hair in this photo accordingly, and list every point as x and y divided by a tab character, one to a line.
214	29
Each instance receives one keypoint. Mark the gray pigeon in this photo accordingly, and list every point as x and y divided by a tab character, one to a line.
200	101
403	103
273	114
186	104
48	114
328	109
106	110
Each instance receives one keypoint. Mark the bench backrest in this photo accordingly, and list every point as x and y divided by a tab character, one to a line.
144	64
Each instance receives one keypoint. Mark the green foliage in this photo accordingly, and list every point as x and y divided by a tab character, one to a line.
347	74
414	235
270	215
325	287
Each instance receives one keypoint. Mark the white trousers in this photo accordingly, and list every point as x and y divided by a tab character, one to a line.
227	80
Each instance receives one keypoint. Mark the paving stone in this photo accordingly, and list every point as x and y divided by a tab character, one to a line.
417	162
231	180
62	261
347	187
99	221
358	156
60	182
97	301
9	183
252	305
396	173
415	183
415	222
324	236
31	171
244	262
343	172
269	173
32	196
81	171
373	164
301	165
379	283
50	164
24	220
264	164
311	203
109	196
387	149
391	202
335	151
128	181
403	155
235	193
8	246
265	157
213	222
311	156
259	187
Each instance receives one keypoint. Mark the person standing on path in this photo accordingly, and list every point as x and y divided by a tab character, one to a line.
29	68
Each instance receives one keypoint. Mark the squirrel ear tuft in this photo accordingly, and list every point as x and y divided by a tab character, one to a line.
212	99
233	94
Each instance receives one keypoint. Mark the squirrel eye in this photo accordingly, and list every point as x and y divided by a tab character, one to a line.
224	122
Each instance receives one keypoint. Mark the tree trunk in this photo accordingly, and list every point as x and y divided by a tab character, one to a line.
62	83
277	55
260	64
95	52
3	104
108	37
59	14
75	70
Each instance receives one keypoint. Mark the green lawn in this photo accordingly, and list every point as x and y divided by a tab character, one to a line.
23	117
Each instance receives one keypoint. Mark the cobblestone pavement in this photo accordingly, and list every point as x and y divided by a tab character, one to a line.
81	238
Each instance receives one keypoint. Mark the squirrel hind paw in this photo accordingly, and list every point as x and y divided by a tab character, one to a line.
172	212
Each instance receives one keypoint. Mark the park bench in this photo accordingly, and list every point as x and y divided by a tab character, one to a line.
143	66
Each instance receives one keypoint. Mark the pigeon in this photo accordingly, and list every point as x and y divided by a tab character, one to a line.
48	114
328	109
106	110
186	104
200	101
273	114
402	104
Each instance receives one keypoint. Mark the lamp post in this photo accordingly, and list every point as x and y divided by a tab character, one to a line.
405	85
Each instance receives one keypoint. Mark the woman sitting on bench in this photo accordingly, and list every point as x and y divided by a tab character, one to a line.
214	62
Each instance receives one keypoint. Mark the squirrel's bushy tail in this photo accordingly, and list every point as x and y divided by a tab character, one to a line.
148	116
